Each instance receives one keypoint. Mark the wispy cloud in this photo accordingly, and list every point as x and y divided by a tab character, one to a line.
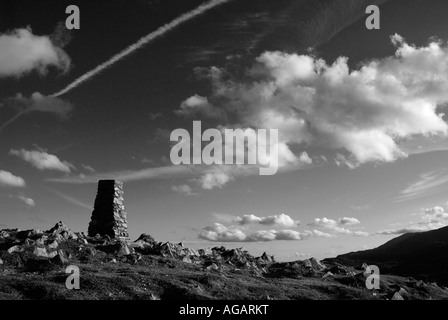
184	189
69	199
427	184
130	175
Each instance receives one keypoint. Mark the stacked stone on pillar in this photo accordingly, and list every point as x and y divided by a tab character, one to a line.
109	214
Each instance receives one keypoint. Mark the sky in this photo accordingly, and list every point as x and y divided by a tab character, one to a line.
360	115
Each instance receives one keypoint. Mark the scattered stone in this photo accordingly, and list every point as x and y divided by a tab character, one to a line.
124	249
15	249
28	242
4	234
42	252
41	241
53	245
60	258
397	296
61	229
267	258
213	266
146	237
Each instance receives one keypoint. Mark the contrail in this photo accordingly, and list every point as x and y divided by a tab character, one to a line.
17	116
69	199
141	43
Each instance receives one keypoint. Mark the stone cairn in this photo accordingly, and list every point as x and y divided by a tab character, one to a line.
109	214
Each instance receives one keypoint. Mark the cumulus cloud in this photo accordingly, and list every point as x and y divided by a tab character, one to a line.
348	221
220	233
22	52
281	220
42	160
337	227
198	106
7	179
184	189
216	177
430	219
360	114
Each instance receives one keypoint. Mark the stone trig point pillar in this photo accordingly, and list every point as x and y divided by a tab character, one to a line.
109	214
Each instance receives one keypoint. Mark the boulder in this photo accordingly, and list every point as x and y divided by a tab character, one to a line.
60	259
397	296
42	252
124	249
267	258
213	266
41	241
1	261
15	249
316	264
4	234
33	233
53	245
61	229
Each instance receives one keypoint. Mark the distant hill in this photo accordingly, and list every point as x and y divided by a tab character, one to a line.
422	255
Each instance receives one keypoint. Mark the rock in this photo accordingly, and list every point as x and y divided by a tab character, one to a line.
402	292
4	234
266	258
316	264
132	258
41	241
53	245
15	249
397	296
1	261
28	242
187	259
307	263
190	252
142	247
34	232
124	249
83	241
61	229
328	275
146	237
42	252
213	266
60	258
339	270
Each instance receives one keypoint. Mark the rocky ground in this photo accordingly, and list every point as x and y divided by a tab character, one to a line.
33	265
